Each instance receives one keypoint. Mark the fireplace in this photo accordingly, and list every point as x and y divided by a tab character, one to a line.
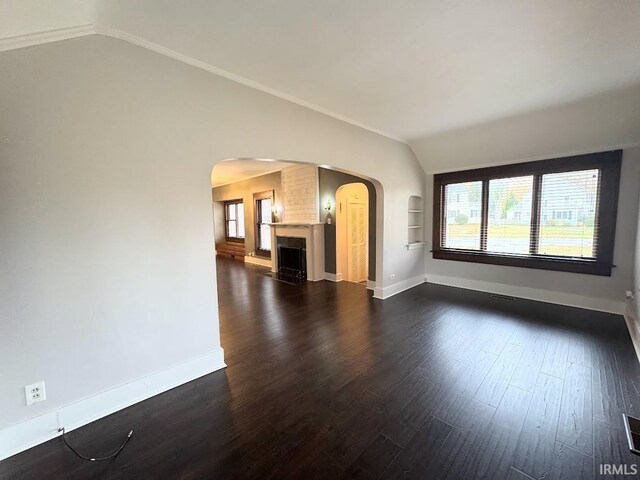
292	259
302	246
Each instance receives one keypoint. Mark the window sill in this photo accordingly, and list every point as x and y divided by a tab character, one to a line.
590	267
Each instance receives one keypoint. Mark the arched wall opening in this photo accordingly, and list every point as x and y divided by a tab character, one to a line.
329	180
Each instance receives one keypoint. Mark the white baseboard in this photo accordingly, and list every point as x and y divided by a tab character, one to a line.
333	277
632	325
264	262
371	285
590	303
391	290
22	436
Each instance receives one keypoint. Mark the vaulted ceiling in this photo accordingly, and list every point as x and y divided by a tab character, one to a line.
407	69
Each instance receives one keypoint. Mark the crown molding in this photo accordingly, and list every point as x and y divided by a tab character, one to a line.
37	38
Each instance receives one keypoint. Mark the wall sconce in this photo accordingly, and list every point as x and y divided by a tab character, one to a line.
327	207
276	209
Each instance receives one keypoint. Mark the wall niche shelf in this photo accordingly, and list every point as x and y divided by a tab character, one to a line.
415	234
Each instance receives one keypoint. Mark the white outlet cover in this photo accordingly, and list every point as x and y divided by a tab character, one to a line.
35	393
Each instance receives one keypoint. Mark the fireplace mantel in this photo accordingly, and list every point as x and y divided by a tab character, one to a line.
313	233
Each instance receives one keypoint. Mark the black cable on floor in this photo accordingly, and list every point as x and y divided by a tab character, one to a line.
108	457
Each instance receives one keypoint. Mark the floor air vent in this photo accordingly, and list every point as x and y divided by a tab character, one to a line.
501	297
632	427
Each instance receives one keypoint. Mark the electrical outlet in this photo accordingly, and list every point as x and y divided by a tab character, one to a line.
35	393
393	276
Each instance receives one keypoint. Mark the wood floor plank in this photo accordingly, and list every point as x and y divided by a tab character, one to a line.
456	403
498	338
575	425
494	456
555	360
415	459
608	402
569	464
413	384
497	380
401	428
517	475
535	450
454	458
627	364
526	372
374	460
580	352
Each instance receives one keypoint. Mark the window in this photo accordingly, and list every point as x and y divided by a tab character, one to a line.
462	230
509	218
264	202
570	234
554	214
234	220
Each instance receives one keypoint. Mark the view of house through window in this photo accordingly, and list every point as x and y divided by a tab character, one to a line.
509	218
568	213
462	217
557	214
234	220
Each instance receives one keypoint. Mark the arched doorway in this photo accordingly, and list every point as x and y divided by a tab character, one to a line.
329	180
352	232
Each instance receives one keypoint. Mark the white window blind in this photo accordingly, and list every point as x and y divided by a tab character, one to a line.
463	203
568	204
509	215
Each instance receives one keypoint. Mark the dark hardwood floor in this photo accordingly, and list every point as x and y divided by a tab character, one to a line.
325	382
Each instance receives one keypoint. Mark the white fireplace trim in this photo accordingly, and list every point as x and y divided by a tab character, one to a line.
313	233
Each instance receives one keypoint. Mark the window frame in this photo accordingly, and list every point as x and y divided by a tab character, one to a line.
257	197
227	203
608	163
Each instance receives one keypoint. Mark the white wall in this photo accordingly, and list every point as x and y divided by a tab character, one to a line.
634	304
106	259
21	17
597	124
